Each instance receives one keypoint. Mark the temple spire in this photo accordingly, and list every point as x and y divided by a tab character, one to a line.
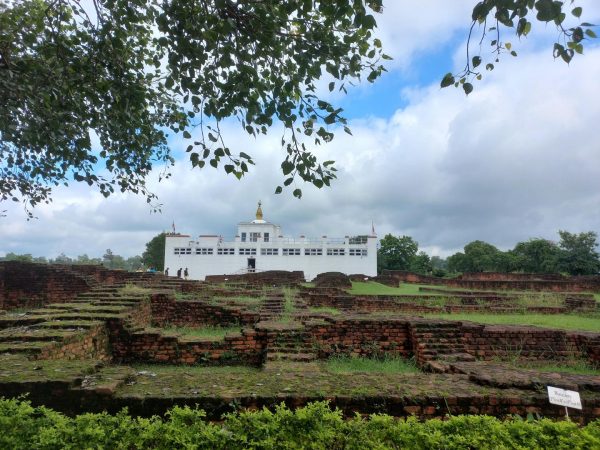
259	213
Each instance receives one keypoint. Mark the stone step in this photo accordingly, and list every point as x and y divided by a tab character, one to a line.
69	324
77	316
88	308
35	335
288	348
31	348
304	357
458	356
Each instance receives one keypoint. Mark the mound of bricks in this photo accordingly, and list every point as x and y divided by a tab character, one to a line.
332	280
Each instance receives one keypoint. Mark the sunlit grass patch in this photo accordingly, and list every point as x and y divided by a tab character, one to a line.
132	289
324	310
205	332
561	321
391	364
373	288
574	366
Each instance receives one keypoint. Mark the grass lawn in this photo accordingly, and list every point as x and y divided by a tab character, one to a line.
373	288
348	364
324	310
207	332
577	367
560	321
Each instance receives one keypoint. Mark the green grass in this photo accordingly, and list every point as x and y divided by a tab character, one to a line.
132	289
347	364
373	288
575	366
194	370
245	299
560	321
547	299
207	332
324	310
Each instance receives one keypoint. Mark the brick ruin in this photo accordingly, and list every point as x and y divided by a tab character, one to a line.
87	312
499	281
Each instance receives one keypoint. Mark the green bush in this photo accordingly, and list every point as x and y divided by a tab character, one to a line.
315	426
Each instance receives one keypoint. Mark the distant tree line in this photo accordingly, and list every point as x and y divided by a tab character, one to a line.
153	257
573	254
109	260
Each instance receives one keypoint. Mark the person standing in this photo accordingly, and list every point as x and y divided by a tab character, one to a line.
185	274
167	272
179	273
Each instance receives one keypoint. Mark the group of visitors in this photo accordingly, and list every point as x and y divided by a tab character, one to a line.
185	273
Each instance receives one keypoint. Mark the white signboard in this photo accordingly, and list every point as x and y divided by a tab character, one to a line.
562	397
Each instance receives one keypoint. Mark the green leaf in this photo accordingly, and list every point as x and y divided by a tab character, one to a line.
448	80
476	61
297	193
186	134
590	33
468	88
278	190
577	11
287	167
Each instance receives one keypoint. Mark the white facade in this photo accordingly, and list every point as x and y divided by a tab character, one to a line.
259	246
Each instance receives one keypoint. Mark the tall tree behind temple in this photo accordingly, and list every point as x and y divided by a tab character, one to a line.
154	256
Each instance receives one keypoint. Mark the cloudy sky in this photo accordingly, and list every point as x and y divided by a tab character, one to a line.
518	158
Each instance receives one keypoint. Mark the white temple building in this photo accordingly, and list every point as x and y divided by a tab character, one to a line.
260	245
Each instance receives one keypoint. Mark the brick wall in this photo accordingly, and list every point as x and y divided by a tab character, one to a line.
152	346
503	281
166	310
91	344
360	337
29	285
269	277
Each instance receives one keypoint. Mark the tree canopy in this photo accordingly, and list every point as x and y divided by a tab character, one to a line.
92	96
575	254
154	255
396	253
491	19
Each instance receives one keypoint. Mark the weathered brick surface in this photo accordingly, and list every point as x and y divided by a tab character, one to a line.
28	285
92	343
268	278
152	346
332	280
414	304
165	310
360	337
503	281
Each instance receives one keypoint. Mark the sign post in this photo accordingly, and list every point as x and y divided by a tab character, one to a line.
563	397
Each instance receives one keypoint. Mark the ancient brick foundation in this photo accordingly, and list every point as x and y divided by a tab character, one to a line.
92	343
28	285
496	281
152	346
165	310
357	337
269	278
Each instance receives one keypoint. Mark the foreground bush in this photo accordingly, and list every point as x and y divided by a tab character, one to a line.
313	427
